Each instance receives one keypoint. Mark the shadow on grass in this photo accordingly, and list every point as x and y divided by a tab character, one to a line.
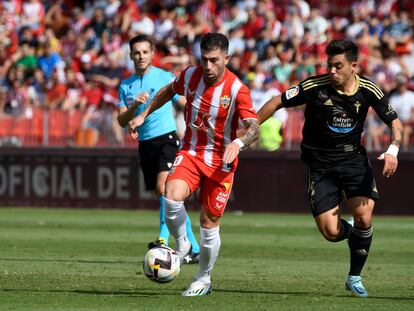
313	294
145	292
133	293
72	260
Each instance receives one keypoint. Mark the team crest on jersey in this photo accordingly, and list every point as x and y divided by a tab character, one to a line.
292	92
357	105
224	101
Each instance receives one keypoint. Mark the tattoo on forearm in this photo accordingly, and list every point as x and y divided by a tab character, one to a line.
252	132
396	135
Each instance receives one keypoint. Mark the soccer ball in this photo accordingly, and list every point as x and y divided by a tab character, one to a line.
161	264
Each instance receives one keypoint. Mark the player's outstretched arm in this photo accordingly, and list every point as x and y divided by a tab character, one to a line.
164	95
126	114
390	156
269	108
250	135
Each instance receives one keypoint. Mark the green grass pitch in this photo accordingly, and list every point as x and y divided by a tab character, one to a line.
71	259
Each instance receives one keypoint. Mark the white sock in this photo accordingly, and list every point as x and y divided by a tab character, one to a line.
175	218
209	248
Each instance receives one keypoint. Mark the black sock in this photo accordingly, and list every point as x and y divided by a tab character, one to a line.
359	243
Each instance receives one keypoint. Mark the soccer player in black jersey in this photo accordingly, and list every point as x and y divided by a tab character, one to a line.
336	107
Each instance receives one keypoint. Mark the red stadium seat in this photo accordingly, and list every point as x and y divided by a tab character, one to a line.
6	124
57	127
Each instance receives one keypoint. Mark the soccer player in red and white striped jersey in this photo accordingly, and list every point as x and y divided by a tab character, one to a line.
216	101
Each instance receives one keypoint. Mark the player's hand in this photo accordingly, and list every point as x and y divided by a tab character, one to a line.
133	134
133	124
231	152
390	164
141	98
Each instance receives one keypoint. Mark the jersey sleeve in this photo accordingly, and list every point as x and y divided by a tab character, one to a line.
122	97
383	108
171	77
295	96
178	84
244	104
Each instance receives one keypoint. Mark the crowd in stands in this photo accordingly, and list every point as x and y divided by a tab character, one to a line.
71	55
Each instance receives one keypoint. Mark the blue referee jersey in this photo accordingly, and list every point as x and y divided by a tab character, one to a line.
162	120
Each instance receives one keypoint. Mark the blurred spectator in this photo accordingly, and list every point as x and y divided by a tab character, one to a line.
127	13
3	101
18	100
398	33
111	9
56	20
163	25
50	61
27	59
37	88
32	15
236	19
73	98
271	130
402	100
101	120
78	21
237	43
55	92
374	131
144	25
293	24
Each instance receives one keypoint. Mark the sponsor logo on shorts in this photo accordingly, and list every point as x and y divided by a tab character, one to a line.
221	199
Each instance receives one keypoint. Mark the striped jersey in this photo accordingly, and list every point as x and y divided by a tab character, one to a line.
334	121
212	113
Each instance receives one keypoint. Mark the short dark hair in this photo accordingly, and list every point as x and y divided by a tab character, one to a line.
214	40
343	46
141	38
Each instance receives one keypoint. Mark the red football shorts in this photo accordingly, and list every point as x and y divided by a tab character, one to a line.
215	185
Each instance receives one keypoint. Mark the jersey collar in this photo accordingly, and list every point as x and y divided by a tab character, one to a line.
355	89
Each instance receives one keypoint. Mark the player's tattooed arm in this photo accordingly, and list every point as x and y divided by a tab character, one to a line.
252	132
396	128
248	135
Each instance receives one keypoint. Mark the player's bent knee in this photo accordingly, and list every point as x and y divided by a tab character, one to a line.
363	221
331	235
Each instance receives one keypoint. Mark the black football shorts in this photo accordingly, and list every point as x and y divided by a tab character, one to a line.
327	186
157	155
